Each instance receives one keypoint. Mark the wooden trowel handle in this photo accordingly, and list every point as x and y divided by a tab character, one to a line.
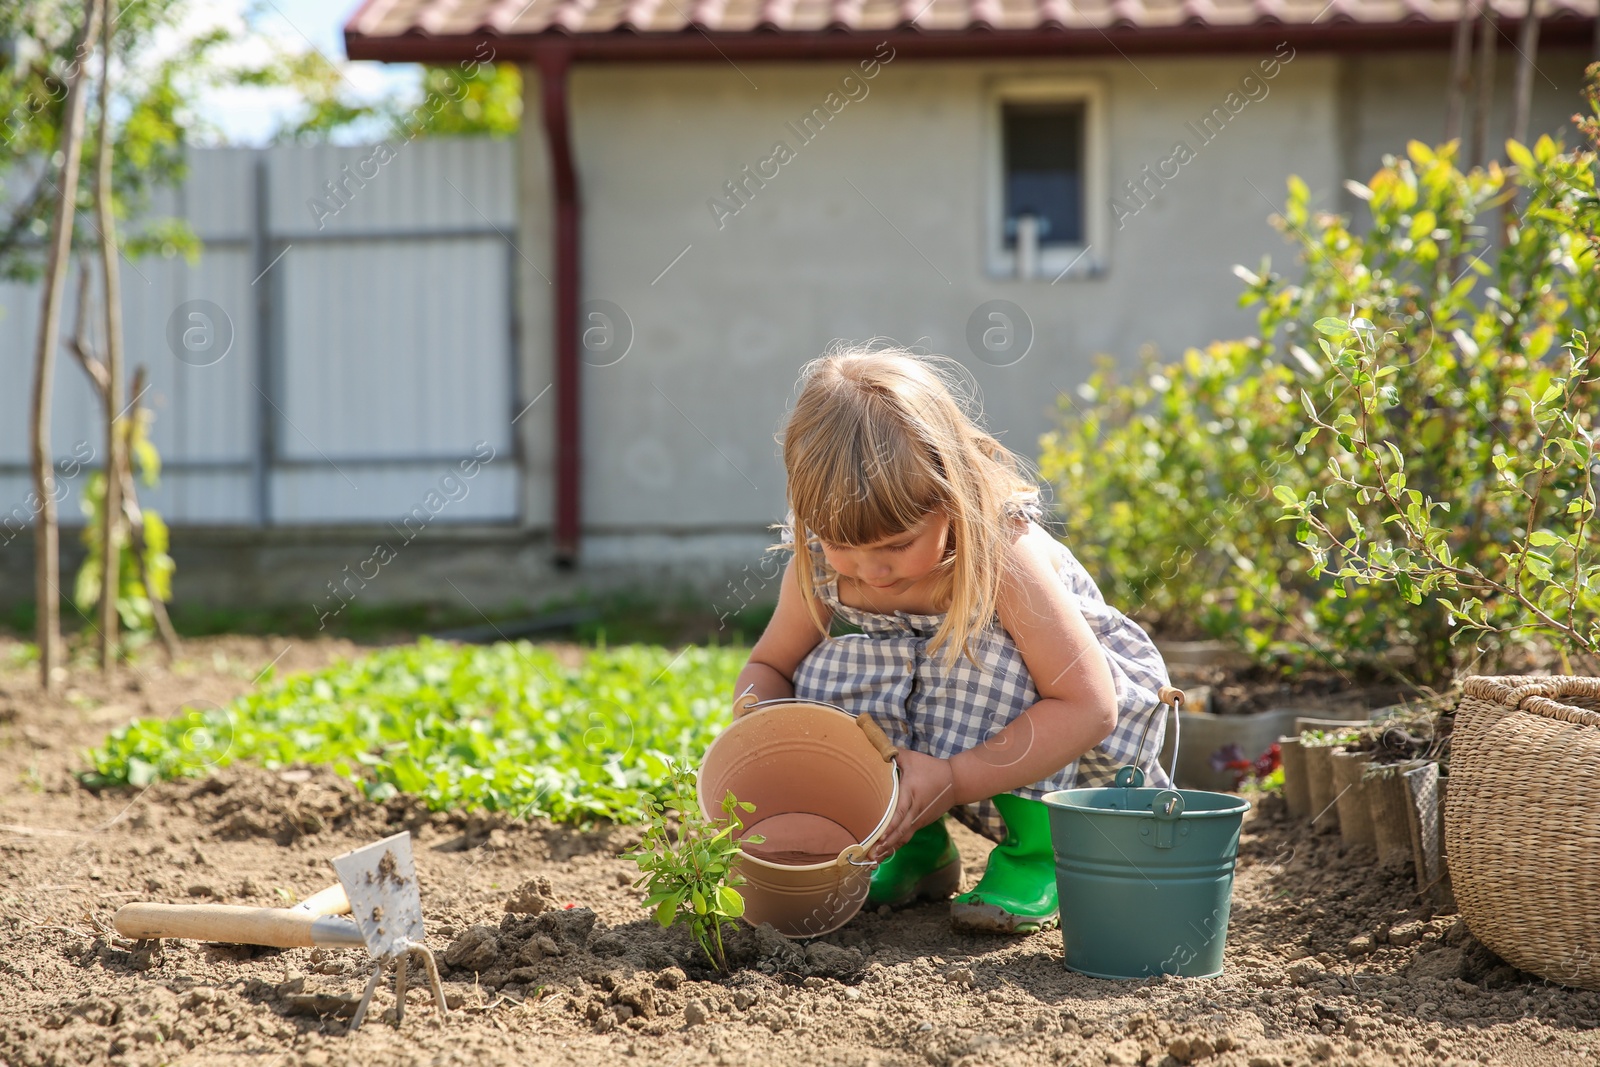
879	739
230	923
329	901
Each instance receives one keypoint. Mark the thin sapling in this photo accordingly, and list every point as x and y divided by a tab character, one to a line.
688	868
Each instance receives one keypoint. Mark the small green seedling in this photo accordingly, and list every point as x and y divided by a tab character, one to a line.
689	873
1328	737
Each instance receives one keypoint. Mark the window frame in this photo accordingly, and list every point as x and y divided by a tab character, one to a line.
1087	260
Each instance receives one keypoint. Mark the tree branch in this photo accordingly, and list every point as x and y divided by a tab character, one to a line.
80	346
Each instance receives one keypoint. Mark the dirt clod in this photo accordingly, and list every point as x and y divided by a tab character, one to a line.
1190	1048
537	948
1406	934
532	897
1442	962
830	961
476	950
776	951
1124	1054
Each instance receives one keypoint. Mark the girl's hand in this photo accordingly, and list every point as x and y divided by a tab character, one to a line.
927	791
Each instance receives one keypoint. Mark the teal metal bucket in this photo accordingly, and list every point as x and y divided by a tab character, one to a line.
1145	876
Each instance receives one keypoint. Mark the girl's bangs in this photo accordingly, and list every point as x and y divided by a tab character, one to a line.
857	501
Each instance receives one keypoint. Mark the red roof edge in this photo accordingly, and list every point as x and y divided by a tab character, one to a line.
630	45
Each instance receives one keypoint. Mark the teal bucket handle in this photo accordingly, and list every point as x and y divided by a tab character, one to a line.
1131	775
1166	806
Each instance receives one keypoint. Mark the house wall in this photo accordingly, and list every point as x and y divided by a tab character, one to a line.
877	228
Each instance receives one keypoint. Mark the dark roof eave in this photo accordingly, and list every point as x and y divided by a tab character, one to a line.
623	46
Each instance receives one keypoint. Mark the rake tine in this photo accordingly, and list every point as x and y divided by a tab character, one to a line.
432	967
366	998
402	967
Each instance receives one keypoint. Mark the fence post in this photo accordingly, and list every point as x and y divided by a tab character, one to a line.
261	255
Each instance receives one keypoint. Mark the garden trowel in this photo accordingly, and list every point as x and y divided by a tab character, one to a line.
377	886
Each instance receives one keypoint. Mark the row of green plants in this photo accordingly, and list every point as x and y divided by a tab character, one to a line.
1405	452
508	727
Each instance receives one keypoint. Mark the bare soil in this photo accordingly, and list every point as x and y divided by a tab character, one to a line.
1330	960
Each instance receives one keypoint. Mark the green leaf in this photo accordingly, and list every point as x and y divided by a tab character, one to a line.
1332	327
139	773
729	902
1544	539
1519	154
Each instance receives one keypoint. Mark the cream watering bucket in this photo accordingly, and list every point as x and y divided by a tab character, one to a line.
824	784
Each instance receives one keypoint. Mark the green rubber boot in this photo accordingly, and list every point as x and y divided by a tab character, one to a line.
927	867
1017	894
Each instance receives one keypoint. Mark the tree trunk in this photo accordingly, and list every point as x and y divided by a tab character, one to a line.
47	543
1461	70
1487	44
1528	47
110	535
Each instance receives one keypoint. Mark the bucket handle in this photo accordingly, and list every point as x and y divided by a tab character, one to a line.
851	853
886	748
1132	775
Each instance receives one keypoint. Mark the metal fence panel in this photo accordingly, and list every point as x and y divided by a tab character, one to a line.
347	322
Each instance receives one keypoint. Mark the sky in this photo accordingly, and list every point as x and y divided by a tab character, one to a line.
249	115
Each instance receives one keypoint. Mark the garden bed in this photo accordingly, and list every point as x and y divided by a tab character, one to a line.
1327	961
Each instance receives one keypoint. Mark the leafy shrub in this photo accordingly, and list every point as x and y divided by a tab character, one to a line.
1536	576
1455	396
506	727
1166	485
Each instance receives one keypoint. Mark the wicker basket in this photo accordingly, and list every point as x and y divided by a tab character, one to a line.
1522	822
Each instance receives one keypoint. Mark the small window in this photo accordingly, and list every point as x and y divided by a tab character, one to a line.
1044	150
1046	162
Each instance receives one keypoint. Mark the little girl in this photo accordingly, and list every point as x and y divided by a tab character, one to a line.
986	652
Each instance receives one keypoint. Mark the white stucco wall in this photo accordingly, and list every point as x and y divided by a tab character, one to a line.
878	228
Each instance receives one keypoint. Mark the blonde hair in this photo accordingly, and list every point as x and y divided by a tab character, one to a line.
876	442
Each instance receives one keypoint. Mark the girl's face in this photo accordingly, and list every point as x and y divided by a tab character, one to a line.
895	563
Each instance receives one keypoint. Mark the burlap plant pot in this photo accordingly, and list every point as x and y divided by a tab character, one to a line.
1387	801
1522	826
1296	786
1319	785
1350	796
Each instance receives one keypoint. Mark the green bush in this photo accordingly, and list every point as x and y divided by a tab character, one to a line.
1540	575
506	727
1166	483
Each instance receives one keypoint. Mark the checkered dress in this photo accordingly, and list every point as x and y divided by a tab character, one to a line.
928	706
